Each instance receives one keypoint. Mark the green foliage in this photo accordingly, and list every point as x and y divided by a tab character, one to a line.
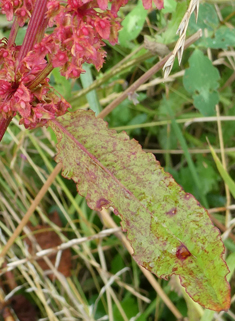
117	264
228	180
169	6
60	83
231	265
218	37
224	37
169	231
129	306
132	25
207	19
170	34
206	173
87	80
201	80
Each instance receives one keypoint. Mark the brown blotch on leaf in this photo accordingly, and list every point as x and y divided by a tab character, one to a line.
49	239
172	212
182	252
101	202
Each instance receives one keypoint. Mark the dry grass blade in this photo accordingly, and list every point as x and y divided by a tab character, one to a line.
111	224
59	248
30	211
179	47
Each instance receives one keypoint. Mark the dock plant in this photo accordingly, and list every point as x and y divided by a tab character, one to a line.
169	231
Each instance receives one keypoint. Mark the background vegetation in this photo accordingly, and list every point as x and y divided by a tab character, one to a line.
175	118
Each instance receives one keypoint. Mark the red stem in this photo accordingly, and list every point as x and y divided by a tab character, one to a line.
3	125
13	33
36	21
40	77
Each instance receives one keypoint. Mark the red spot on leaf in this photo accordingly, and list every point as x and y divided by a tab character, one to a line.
182	252
116	212
172	212
101	203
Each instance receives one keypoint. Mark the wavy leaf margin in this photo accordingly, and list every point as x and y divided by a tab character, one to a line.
169	231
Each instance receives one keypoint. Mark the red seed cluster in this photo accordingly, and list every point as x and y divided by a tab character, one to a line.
20	8
77	38
34	106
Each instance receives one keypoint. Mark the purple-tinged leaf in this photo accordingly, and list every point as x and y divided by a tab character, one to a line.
170	232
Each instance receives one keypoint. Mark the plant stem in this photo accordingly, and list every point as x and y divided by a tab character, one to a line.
40	77
36	21
13	33
4	122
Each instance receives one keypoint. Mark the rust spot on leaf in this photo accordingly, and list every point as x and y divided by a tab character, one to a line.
172	212
101	202
182	252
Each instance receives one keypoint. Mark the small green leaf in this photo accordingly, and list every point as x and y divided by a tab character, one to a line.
169	231
201	80
92	98
62	85
169	6
132	25
224	37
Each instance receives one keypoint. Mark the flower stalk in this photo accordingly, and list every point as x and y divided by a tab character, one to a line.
37	19
40	77
13	33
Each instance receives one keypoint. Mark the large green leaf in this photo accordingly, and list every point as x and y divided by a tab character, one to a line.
201	80
170	232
